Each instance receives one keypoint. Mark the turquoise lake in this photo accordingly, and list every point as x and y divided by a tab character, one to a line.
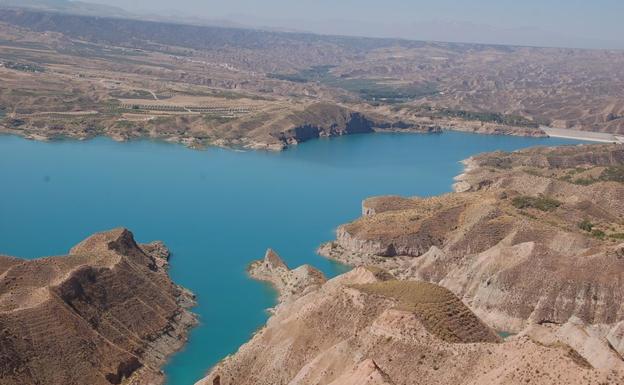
217	209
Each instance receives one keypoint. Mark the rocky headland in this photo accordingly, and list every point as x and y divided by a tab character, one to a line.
107	313
288	283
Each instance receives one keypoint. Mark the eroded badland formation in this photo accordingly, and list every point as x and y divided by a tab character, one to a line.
107	313
532	246
516	277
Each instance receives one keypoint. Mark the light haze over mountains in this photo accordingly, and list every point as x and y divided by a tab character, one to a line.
566	23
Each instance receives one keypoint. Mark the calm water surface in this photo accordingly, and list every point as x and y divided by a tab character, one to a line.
217	209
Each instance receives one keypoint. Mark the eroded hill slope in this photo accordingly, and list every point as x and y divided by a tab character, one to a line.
107	313
537	237
365	327
532	247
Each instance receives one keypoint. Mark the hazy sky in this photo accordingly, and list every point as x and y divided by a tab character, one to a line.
586	23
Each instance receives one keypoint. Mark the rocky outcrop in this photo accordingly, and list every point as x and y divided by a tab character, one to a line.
107	313
288	283
364	327
158	251
329	120
323	120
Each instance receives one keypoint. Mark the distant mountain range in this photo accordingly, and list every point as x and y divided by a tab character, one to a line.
91	9
433	30
66	6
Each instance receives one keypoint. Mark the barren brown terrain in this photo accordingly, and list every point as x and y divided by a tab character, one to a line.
366	327
530	245
535	236
78	76
516	277
107	313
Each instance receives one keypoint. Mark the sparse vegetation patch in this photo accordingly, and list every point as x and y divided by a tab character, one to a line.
440	311
24	67
486	117
598	234
541	203
372	90
609	174
613	174
586	225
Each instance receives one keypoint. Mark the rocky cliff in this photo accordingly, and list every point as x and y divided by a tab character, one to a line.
107	313
323	120
329	120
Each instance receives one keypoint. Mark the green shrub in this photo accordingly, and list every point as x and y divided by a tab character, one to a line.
586	225
584	181
24	67
598	234
614	174
540	203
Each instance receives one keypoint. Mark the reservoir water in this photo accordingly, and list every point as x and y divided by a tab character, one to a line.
217	209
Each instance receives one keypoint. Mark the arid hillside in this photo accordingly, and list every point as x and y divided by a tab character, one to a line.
536	236
64	75
107	313
366	327
515	278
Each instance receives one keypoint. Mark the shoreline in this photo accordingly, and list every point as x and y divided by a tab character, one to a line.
243	146
459	184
